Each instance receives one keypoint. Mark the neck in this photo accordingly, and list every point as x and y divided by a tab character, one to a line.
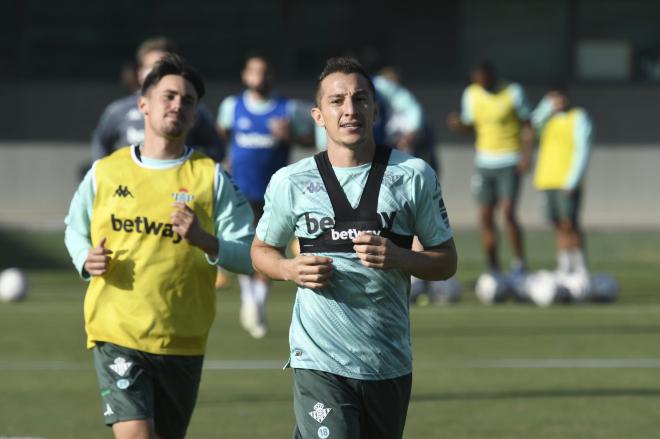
161	148
343	156
257	95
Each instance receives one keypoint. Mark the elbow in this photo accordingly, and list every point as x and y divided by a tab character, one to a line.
450	265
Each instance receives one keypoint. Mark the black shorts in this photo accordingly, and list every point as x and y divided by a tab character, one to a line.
335	407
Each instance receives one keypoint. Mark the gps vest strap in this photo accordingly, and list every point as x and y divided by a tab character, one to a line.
349	221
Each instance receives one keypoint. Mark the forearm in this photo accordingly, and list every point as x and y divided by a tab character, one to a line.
436	263
268	260
78	246
235	255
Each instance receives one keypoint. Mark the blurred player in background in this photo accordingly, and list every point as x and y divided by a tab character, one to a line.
497	112
350	333
121	123
565	142
147	227
260	128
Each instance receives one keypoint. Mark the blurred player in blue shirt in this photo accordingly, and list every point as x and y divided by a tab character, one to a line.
260	128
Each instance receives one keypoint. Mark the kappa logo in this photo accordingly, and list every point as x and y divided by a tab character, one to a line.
120	366
313	187
122	191
320	412
182	195
108	410
243	123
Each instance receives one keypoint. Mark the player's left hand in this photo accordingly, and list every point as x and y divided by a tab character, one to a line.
186	224
377	252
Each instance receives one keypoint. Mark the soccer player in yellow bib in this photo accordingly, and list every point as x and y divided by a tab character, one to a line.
148	226
565	141
498	114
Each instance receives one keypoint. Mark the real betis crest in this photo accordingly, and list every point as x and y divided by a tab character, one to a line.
182	195
320	412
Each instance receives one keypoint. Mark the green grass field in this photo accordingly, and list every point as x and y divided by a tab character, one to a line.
508	371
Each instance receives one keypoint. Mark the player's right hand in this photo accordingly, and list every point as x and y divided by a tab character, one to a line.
98	259
308	271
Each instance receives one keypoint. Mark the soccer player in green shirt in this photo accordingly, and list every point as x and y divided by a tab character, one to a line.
355	209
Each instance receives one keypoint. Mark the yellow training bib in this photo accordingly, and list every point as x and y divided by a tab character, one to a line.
496	122
556	151
158	294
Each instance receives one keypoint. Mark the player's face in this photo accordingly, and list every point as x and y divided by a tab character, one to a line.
169	107
559	100
483	78
346	109
256	75
147	63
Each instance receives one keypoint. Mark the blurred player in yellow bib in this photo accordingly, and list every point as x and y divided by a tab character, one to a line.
565	142
498	114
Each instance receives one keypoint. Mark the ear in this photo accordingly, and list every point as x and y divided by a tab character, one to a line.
376	110
317	116
143	105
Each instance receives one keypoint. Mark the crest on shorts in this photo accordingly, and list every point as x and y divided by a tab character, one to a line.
320	412
120	366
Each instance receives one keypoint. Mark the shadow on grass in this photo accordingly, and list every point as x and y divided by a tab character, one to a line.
33	249
538	394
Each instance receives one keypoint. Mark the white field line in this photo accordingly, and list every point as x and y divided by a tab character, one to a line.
245	365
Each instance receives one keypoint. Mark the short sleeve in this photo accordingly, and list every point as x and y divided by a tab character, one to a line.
431	219
520	102
277	224
467	112
226	112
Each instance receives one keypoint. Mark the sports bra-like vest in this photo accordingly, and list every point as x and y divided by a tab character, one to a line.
350	222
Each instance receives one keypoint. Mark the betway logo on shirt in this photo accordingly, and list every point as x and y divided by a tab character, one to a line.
254	140
386	220
142	224
343	235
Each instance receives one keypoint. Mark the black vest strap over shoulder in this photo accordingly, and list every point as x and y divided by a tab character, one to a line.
349	221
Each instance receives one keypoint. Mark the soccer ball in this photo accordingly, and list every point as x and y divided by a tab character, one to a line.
13	285
604	288
445	291
418	290
577	284
491	288
542	288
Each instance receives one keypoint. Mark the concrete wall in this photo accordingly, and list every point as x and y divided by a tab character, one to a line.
37	181
69	110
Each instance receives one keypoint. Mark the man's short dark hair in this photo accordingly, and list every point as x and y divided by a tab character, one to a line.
486	67
346	65
558	86
172	64
257	54
160	44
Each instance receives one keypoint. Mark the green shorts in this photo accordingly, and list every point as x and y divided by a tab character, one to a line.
331	406
492	185
139	385
563	205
